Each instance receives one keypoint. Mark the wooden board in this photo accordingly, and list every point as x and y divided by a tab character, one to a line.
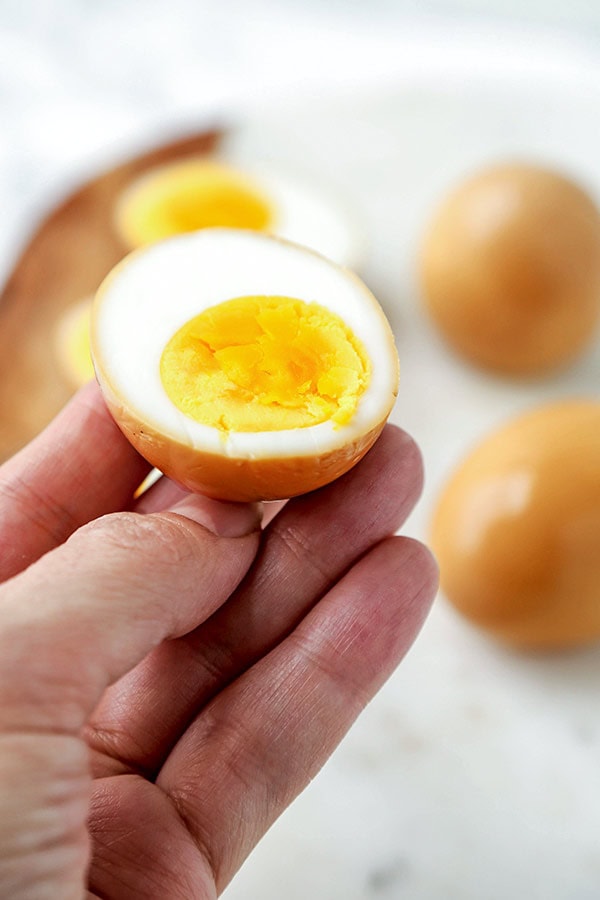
67	257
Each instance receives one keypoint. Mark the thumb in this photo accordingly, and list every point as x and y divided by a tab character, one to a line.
90	610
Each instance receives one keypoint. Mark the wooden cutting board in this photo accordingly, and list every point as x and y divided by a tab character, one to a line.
67	257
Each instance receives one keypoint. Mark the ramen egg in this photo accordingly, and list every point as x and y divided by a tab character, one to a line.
517	528
243	366
197	193
510	269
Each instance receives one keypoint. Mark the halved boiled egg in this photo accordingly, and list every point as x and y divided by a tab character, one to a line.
243	366
197	193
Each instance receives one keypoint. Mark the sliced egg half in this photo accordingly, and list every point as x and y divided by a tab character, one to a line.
243	366
205	193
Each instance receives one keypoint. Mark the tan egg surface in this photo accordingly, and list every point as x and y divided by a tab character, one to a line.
243	366
517	528
510	269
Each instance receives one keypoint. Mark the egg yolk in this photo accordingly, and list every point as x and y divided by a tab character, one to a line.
265	364
73	343
189	197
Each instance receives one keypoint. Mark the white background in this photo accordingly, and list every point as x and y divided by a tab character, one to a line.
475	774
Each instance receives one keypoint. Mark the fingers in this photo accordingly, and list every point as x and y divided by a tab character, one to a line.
259	743
87	612
310	544
80	467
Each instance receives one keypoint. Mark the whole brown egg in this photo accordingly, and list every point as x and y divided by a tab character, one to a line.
517	529
510	269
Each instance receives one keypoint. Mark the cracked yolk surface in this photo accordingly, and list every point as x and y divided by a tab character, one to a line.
265	364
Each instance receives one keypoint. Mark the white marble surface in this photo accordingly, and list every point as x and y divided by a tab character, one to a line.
475	774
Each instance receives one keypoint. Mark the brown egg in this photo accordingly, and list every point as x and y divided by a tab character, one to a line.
510	269
243	366
517	529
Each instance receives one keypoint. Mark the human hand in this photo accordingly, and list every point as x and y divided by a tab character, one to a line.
171	676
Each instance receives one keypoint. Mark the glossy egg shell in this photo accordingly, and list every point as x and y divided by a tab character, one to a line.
517	529
510	269
236	478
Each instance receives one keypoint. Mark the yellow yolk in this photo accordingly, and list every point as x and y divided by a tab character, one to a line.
73	343
189	197
265	364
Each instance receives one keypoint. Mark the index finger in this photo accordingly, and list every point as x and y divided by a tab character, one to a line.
78	468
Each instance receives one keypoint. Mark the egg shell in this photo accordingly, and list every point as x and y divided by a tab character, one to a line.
155	290
517	529
510	269
237	479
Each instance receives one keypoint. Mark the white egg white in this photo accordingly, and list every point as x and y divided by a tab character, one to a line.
156	290
311	216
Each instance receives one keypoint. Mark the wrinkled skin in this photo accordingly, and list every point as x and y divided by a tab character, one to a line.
174	670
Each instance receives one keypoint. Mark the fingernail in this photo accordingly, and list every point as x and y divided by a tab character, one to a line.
221	518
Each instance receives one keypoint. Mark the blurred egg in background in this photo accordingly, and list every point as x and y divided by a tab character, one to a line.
517	528
511	269
193	194
450	151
